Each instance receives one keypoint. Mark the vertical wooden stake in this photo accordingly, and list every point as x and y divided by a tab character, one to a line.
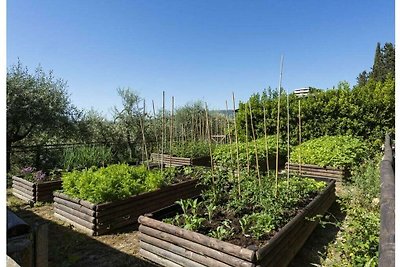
171	135
266	140
162	132
255	146
141	121
277	130
209	144
229	131
299	138
155	128
288	132
236	141
247	140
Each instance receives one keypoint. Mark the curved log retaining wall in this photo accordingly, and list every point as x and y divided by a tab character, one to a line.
315	171
34	192
171	161
169	245
387	209
106	217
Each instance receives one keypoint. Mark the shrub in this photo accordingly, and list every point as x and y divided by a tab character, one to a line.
334	151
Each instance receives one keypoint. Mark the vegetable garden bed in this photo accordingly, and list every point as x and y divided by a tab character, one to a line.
169	245
172	161
314	171
34	191
97	219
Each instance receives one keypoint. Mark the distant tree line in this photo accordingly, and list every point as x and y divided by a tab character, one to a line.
39	112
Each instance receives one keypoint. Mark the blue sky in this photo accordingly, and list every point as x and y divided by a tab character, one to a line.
195	50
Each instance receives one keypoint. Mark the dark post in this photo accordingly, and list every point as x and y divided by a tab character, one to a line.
387	228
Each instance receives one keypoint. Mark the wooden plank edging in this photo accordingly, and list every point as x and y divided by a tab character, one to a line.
242	253
261	252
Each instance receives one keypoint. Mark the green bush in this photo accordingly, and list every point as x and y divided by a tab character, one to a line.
110	183
225	155
86	156
334	151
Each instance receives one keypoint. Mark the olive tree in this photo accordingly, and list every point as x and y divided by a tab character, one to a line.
37	104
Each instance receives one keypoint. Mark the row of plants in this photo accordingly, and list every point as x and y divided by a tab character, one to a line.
226	155
190	149
357	243
334	151
249	217
119	181
86	156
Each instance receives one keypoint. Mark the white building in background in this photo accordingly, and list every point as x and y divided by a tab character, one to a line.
304	91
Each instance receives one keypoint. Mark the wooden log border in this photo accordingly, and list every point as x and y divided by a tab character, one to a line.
169	245
172	161
314	171
40	191
103	218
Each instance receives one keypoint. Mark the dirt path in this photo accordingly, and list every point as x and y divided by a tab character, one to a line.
69	247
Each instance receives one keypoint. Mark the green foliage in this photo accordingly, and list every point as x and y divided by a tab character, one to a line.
256	210
366	178
86	156
110	183
38	107
191	149
334	151
357	243
337	111
225	155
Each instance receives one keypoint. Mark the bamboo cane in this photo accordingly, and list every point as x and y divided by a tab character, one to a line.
266	141
255	145
236	141
155	126
141	121
171	133
299	138
229	131
209	145
277	130
162	132
288	144
247	140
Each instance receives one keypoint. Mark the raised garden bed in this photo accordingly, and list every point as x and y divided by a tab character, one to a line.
314	171
34	191
97	219
172	161
169	245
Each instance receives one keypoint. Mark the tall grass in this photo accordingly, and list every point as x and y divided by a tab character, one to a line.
86	156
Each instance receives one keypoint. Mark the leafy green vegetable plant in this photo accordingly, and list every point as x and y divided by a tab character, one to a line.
110	183
334	151
225	155
255	213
